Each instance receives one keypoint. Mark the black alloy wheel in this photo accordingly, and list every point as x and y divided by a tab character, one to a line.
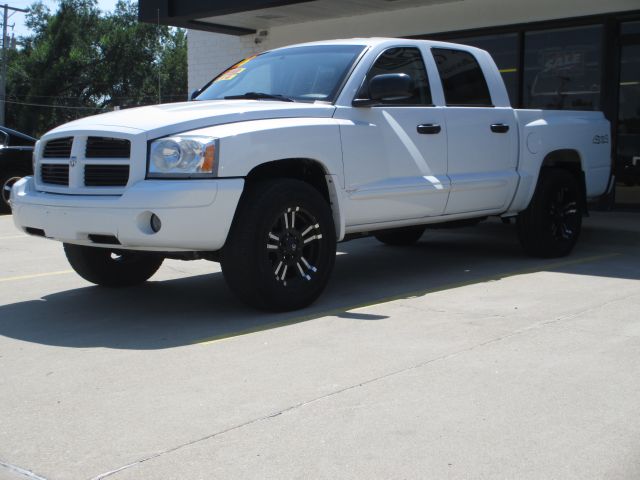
293	246
551	224
281	248
563	214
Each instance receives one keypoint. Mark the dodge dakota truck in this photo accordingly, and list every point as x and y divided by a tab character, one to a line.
288	152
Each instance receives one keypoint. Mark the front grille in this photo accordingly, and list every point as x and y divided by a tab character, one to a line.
54	174
105	147
58	148
106	175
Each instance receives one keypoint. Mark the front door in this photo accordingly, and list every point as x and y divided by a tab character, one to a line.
395	153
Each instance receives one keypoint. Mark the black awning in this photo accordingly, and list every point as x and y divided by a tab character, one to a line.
189	13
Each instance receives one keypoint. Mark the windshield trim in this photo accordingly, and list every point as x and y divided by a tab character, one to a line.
346	78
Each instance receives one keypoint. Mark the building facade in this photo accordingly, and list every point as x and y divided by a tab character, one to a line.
554	54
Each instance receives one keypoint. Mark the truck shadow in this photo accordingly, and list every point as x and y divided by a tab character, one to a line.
165	314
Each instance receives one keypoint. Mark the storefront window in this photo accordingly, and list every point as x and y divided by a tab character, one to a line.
630	28
504	50
563	69
628	154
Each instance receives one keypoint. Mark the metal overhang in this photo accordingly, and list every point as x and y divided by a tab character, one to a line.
244	17
188	13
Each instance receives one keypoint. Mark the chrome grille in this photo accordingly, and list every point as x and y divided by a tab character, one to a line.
106	147
106	175
55	174
58	148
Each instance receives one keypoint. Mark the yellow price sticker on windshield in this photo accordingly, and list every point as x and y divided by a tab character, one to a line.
234	71
230	74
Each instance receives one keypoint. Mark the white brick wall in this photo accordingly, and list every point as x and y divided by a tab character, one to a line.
210	53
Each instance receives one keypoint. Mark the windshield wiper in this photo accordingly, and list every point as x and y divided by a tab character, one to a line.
259	96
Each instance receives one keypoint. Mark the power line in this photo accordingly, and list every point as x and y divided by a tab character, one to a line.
50	106
44	105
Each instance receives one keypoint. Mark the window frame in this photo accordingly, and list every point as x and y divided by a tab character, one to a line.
408	105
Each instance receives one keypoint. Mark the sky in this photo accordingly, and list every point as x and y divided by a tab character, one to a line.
17	18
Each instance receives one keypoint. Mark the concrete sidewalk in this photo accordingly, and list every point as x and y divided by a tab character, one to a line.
456	358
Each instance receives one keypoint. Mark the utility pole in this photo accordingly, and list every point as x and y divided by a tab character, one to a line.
3	80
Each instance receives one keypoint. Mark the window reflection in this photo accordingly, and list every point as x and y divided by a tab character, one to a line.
563	68
628	155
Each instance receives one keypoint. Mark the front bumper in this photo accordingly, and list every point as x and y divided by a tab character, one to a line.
196	215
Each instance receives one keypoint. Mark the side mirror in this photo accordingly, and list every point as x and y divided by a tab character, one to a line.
387	88
391	86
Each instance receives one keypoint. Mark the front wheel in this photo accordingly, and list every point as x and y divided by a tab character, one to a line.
282	246
551	224
112	268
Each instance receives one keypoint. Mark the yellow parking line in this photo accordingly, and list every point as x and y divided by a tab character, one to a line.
391	298
8	237
34	275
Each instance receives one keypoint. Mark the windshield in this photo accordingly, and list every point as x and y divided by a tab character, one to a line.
302	74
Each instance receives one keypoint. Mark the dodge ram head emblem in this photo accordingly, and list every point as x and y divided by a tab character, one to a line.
73	162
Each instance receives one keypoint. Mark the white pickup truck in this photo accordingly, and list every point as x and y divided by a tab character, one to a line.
288	152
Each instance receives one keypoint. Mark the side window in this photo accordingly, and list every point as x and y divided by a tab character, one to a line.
406	60
462	79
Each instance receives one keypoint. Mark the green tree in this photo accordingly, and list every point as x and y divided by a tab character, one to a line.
80	61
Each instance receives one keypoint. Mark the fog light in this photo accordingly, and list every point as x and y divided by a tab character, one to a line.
156	224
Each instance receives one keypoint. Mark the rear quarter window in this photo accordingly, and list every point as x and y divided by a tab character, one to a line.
462	79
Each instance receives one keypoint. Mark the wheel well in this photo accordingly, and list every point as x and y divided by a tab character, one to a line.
569	160
307	170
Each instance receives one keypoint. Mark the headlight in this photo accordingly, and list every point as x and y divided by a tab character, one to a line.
183	156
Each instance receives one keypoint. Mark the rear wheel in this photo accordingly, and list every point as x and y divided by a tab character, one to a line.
112	268
551	224
282	245
401	236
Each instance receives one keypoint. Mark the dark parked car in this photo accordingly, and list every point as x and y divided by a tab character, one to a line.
16	151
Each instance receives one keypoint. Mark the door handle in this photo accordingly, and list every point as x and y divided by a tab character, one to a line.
429	128
499	128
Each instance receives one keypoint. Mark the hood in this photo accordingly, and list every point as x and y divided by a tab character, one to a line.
160	120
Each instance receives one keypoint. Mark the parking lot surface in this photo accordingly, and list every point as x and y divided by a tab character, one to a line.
457	358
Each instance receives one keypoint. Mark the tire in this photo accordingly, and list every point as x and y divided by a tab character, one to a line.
112	268
551	224
282	246
401	236
6	182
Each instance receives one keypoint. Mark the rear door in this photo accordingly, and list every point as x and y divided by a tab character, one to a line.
482	140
